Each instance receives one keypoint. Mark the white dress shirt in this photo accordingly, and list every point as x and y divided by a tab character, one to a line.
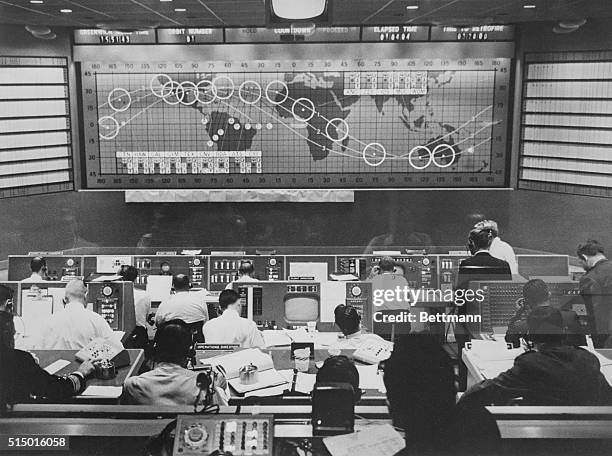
35	277
504	251
73	328
189	306
231	328
142	306
241	279
168	384
356	340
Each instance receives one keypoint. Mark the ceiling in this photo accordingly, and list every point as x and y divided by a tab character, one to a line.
88	13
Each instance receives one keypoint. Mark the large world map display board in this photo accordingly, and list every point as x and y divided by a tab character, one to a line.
398	123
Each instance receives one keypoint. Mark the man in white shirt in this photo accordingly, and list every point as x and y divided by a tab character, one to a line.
38	266
349	322
499	249
75	326
245	272
230	327
184	304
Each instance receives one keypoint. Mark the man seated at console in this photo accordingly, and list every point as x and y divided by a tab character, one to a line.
184	304
420	384
536	294
170	383
75	326
38	266
22	377
142	307
245	274
550	373
340	369
230	327
349	322
480	266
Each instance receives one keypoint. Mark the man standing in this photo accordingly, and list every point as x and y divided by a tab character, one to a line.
499	249
596	290
38	266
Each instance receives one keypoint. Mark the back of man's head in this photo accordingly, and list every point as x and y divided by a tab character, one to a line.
227	298
246	267
5	294
480	239
347	319
7	330
76	291
386	264
421	404
37	264
128	273
535	292
173	341
545	325
340	369
488	225
590	248
180	282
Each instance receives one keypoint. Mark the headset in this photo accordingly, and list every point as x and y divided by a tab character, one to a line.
191	353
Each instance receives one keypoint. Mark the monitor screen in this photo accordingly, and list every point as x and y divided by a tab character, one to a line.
301	308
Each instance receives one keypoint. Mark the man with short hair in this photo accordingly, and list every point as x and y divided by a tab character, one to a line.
499	249
38	266
245	274
340	369
75	326
349	321
551	373
185	304
170	382
385	282
142	308
230	327
596	290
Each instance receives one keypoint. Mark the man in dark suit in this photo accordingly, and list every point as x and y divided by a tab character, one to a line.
480	266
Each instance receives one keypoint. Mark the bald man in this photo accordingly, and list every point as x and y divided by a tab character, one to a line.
75	326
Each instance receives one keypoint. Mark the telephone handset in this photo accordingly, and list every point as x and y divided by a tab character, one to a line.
374	352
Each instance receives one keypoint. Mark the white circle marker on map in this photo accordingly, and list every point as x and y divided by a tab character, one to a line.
210	143
155	80
204	120
108	123
337	128
416	149
257	126
220	132
206	92
438	149
374	154
215	138
118	95
269	126
187	87
247	126
253	92
276	92
223	91
303	114
237	126
172	88
231	121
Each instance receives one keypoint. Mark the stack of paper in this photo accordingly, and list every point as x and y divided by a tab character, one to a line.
378	439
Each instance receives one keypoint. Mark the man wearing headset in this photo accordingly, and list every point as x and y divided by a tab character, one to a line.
550	373
170	382
38	266
245	274
480	266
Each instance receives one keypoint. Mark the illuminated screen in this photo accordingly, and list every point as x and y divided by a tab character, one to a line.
301	308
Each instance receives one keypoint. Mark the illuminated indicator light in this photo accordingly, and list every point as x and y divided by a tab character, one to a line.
180	10
529	6
65	10
412	7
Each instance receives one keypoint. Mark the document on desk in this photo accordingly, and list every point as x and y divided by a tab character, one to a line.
112	392
234	361
266	379
267	392
369	378
378	439
276	338
57	366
